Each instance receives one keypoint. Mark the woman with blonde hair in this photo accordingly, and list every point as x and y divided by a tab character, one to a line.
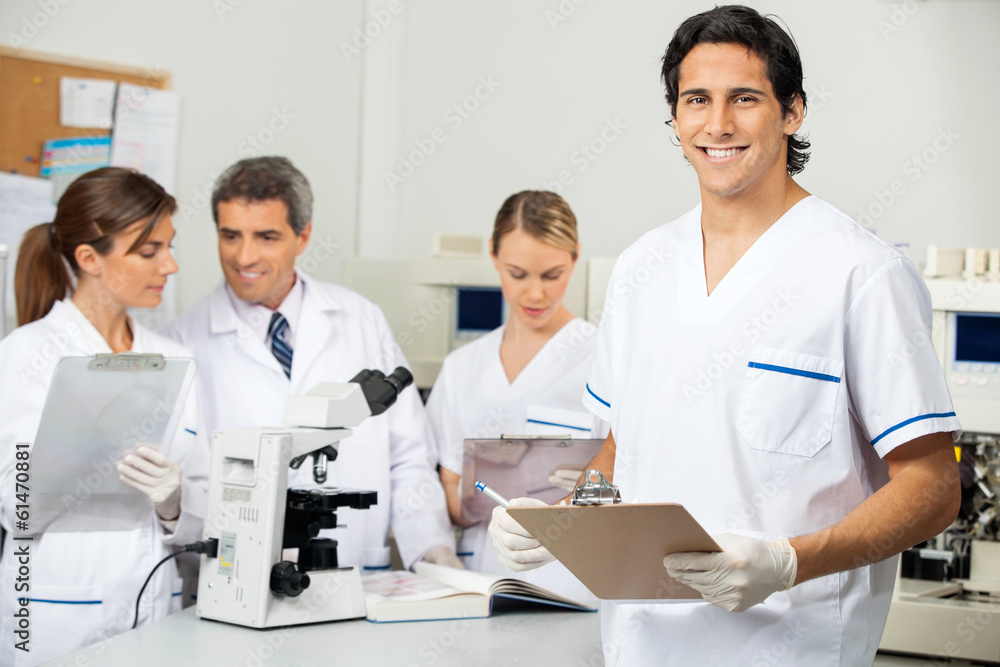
527	376
107	250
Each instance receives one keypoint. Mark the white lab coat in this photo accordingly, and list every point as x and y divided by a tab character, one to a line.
338	334
472	398
755	408
83	585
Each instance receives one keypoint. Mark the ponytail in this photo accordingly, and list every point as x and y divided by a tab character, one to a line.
40	277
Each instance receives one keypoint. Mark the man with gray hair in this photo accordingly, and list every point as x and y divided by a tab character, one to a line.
269	331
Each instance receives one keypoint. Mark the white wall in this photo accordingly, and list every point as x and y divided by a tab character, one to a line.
883	79
881	91
234	62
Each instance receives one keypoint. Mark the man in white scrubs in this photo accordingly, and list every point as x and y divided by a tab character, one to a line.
766	363
269	331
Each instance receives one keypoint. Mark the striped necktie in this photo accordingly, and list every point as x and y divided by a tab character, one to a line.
281	350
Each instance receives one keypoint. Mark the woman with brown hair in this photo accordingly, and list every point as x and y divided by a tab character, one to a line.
107	250
528	375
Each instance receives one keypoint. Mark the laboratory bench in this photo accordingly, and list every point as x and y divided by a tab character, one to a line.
529	636
542	636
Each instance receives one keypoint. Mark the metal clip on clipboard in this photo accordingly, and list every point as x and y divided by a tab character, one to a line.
599	492
132	362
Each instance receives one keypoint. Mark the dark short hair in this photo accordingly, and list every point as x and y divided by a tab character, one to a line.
762	36
261	179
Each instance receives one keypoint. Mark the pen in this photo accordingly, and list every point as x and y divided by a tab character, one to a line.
492	495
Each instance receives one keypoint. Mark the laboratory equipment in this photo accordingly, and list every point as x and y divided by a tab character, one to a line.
253	581
943	261
946	601
966	335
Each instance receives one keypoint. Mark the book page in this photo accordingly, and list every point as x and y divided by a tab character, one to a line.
522	589
404	586
466	580
490	585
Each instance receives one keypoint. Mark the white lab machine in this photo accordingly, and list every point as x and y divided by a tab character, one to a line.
946	603
436	305
271	569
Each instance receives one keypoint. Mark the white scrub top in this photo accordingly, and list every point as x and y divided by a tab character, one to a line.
472	398
338	334
764	409
83	586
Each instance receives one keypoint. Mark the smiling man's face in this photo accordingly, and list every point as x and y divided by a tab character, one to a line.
729	121
257	249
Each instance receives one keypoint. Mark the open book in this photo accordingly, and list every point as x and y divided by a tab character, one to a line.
436	592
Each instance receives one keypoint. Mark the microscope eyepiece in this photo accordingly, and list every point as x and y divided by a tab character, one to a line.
381	391
400	379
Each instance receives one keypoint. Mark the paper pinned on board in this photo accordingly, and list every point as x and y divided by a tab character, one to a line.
86	102
63	160
145	135
24	202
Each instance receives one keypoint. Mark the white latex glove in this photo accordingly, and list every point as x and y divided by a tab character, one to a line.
743	574
155	475
565	478
519	551
442	555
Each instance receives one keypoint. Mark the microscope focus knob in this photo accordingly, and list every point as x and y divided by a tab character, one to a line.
287	580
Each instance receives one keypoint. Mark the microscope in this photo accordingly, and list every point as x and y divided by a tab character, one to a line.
255	516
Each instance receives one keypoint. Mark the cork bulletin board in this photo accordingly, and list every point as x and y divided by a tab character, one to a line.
29	101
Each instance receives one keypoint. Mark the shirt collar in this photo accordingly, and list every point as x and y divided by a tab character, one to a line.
258	316
224	317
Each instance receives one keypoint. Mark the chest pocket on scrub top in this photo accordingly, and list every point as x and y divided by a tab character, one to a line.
789	400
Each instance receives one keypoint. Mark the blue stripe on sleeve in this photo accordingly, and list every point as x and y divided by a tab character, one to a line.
933	415
575	428
190	431
600	400
793	371
66	601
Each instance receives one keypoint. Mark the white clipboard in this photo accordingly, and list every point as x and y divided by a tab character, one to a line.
97	409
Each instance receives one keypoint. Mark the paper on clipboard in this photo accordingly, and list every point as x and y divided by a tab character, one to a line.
98	408
617	551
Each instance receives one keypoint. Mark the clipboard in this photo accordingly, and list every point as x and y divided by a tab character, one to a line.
617	551
519	467
97	409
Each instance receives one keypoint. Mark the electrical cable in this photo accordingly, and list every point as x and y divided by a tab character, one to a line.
209	547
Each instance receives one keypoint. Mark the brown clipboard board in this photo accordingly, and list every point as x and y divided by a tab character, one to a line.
617	550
